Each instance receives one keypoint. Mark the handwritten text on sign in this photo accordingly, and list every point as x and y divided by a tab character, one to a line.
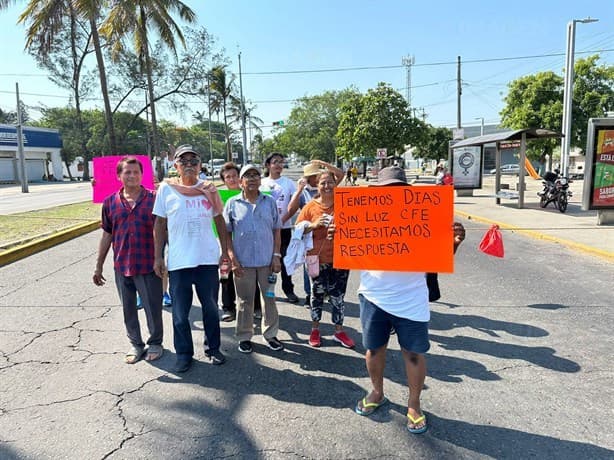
394	228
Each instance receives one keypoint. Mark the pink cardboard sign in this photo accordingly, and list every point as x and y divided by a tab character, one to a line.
105	176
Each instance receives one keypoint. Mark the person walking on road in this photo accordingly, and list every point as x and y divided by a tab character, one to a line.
127	225
399	300
253	226
281	189
185	222
307	189
329	281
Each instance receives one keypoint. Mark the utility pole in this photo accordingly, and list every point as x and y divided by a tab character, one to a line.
459	92
22	155
245	151
209	117
408	61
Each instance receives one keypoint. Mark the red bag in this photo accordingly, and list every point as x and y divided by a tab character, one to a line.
492	242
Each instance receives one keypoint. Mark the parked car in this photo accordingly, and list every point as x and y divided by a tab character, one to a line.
510	169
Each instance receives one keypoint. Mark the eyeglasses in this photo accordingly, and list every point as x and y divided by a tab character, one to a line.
251	176
188	161
277	162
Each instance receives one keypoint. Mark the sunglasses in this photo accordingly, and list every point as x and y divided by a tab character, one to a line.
251	176
186	161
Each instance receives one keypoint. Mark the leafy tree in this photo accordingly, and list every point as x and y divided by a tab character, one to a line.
435	143
223	90
135	18
46	18
313	123
536	101
378	119
10	117
593	96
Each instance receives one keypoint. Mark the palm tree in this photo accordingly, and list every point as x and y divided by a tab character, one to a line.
135	17
46	18
222	89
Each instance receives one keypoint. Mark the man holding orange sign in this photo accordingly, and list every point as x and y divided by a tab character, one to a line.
414	223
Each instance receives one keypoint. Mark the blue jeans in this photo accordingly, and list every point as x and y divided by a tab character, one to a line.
306	281
205	279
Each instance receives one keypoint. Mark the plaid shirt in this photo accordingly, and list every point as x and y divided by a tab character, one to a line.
132	231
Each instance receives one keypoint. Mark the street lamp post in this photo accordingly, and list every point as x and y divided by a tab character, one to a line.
568	91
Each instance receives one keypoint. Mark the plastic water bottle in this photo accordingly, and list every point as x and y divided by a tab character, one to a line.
224	269
270	292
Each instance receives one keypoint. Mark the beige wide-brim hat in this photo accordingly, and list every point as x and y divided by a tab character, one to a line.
311	169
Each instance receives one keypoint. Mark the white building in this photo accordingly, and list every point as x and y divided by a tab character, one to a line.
41	150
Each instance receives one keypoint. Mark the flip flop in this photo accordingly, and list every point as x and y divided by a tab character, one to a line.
134	355
415	421
154	352
366	408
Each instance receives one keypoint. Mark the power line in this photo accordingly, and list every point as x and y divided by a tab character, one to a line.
424	64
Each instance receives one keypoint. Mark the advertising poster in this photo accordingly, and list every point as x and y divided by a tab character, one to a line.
603	185
467	167
394	228
105	175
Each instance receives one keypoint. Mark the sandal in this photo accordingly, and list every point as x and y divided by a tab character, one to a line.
134	355
415	421
367	408
154	352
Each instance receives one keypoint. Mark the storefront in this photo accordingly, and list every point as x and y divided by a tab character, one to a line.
41	147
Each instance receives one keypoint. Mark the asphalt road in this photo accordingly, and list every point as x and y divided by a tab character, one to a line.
519	367
42	196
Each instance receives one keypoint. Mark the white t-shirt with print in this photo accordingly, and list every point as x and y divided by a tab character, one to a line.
191	241
281	190
402	294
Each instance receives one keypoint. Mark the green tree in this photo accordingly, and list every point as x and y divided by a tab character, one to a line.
222	88
593	96
378	119
135	18
313	123
434	144
44	20
536	101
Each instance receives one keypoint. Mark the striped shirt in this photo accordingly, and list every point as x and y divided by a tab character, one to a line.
132	231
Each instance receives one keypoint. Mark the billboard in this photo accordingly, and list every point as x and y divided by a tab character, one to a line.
467	167
598	192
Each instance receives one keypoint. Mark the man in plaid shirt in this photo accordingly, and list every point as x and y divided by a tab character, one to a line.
127	224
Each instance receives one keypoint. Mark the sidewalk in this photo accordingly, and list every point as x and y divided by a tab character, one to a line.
576	229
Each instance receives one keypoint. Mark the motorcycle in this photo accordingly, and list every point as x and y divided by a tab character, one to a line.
556	190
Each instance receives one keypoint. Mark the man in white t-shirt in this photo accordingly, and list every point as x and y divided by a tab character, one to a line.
281	189
185	213
398	300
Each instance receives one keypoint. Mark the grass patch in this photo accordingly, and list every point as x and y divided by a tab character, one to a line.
24	226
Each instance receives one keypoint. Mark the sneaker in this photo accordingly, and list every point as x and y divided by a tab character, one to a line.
216	357
292	297
245	346
227	315
275	344
314	338
139	303
343	339
166	300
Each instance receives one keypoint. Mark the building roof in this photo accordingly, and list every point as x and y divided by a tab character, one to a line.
516	135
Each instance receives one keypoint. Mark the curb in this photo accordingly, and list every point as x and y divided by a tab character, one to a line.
540	236
25	250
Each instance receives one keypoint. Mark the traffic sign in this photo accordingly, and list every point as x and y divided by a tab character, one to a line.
381	153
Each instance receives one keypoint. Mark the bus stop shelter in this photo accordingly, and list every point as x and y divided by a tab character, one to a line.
522	135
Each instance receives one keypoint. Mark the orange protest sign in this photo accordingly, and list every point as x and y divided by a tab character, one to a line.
407	228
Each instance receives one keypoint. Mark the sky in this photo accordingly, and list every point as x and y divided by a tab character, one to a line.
334	44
